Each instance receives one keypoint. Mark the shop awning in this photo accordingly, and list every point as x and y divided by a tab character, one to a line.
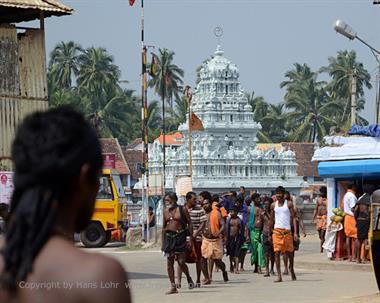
26	10
349	168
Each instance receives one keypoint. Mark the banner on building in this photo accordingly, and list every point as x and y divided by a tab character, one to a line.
183	185
155	185
109	160
6	186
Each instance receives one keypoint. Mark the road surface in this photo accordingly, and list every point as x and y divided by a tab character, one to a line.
148	280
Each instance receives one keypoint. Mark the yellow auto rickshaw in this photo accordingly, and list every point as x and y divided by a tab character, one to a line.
110	212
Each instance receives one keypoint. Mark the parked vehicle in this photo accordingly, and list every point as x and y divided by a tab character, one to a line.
110	211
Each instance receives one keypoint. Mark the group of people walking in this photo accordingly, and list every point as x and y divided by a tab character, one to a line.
209	226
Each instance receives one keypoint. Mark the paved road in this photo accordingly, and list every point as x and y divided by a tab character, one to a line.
147	274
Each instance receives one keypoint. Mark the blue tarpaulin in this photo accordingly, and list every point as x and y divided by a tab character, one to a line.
372	130
349	168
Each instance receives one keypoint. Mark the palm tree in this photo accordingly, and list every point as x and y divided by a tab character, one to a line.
114	114
177	115
63	63
167	84
181	110
97	72
262	137
154	120
296	77
168	80
341	68
274	123
259	109
311	107
65	97
259	106
104	101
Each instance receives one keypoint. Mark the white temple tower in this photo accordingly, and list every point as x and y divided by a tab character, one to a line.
225	154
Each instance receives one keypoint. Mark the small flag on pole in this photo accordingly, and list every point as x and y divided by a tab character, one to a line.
131	2
144	60
196	123
153	67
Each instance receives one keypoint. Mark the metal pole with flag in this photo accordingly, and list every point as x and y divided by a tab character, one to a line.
144	118
144	115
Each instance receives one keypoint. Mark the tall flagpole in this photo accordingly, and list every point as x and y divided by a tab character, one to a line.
144	114
163	139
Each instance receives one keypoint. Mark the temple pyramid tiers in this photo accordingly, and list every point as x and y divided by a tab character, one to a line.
225	154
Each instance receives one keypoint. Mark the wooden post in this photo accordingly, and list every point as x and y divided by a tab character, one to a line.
42	21
188	97
353	98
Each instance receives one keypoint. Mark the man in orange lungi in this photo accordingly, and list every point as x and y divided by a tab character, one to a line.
212	245
349	202
320	215
281	233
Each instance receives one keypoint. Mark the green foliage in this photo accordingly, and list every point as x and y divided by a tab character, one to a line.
97	72
168	85
271	117
168	81
63	64
274	123
341	68
88	80
154	120
315	108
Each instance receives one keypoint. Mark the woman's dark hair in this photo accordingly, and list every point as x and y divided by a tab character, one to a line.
239	199
4	211
235	208
215	198
48	153
255	196
172	196
248	201
206	195
323	191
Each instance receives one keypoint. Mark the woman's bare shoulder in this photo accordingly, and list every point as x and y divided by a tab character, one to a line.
71	255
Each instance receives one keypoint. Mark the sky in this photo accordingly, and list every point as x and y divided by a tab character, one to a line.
264	38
